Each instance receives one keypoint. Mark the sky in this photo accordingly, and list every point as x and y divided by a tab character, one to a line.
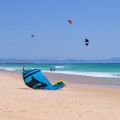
54	37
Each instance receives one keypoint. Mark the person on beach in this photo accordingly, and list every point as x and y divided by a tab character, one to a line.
50	69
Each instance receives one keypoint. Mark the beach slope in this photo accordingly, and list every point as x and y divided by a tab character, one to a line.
73	102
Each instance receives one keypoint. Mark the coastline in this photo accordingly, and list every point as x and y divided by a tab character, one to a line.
84	80
77	100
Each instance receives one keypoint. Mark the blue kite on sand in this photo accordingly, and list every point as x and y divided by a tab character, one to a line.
34	78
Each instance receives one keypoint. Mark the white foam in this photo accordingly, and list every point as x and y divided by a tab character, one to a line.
59	67
11	68
91	74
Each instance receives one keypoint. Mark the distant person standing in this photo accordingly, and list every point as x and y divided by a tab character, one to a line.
53	69
50	69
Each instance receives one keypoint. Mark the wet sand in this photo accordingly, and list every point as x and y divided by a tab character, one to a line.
84	80
79	100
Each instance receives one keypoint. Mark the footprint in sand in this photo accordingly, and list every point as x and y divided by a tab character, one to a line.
7	110
45	112
22	111
65	107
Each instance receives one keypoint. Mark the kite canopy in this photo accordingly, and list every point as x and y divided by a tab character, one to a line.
35	79
70	21
86	41
32	35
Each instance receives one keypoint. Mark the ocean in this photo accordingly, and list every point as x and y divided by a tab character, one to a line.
107	70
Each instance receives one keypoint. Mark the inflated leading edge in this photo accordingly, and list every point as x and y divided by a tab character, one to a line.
35	79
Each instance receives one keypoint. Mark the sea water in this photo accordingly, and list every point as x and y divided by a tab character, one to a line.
108	70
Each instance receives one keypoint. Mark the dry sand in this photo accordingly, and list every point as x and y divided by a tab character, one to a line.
74	102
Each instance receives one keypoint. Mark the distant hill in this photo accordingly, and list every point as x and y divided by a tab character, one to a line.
110	60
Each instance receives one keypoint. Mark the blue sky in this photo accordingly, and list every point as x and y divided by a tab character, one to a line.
55	38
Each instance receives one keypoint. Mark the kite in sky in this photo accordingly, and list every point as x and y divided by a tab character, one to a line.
70	21
86	41
32	35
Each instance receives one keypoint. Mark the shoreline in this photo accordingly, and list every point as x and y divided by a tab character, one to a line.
85	80
78	79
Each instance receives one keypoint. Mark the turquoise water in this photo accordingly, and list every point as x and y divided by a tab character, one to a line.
109	70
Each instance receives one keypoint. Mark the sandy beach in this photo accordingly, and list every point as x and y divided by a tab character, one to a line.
76	101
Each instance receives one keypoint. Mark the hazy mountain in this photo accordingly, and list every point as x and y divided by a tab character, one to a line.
110	60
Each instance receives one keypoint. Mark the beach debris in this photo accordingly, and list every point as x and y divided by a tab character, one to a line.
34	78
70	21
86	41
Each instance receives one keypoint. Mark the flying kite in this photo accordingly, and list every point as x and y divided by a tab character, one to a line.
32	35
35	79
86	41
70	21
